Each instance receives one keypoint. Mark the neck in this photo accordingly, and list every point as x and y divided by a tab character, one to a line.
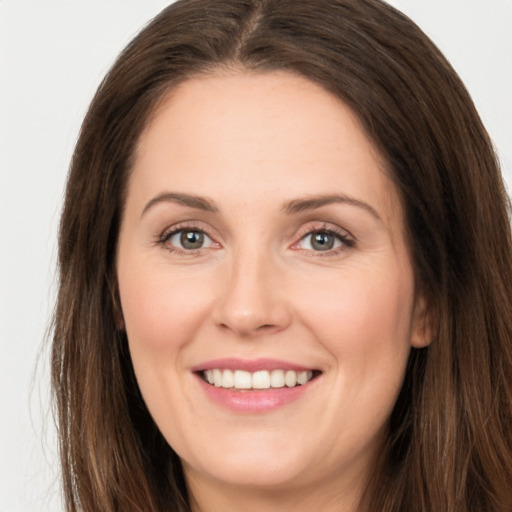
208	495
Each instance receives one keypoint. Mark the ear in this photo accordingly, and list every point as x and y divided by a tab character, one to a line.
422	324
118	318
116	306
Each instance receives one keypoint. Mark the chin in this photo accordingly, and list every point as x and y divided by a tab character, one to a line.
267	467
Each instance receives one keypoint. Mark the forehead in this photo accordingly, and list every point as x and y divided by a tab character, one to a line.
245	109
277	132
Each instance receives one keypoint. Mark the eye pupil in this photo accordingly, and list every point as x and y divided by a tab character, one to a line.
192	239
322	241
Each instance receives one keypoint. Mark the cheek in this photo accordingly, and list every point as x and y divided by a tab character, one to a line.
364	317
160	310
364	321
162	314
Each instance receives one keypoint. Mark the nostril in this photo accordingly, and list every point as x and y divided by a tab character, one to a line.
261	328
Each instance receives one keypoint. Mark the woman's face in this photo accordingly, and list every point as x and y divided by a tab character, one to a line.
262	243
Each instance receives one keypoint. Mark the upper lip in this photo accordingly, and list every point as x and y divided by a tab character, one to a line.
249	365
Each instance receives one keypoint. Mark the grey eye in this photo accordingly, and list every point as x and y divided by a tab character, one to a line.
322	241
190	239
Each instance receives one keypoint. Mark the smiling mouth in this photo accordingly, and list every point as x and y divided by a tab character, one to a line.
259	380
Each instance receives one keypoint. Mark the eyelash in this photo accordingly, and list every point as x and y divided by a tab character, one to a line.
347	241
164	238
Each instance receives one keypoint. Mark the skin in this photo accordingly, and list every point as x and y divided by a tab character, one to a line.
251	144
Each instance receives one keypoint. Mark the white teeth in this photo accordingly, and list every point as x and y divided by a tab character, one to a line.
263	379
290	379
277	379
228	379
302	378
242	380
217	378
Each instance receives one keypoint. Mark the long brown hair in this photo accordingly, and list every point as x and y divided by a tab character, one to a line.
449	446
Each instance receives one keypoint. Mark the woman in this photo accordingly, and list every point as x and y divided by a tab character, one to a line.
285	263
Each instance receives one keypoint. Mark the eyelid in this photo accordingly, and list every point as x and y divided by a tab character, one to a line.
316	226
170	231
347	239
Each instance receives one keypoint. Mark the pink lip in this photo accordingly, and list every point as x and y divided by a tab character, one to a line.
252	365
260	401
246	401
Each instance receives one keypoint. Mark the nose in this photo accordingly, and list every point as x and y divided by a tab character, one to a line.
253	298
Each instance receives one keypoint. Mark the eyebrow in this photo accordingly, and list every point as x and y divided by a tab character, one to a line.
197	202
290	208
314	202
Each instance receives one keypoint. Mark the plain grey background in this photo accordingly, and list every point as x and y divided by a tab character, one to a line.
52	56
